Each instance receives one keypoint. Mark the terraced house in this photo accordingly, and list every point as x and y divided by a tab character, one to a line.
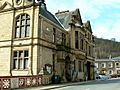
35	42
109	66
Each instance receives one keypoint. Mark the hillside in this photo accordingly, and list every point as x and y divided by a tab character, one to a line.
104	48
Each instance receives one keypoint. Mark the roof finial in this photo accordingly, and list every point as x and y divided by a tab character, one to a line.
42	4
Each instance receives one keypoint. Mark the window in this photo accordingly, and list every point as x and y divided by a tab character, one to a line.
22	27
76	40
48	68
63	39
110	72
81	44
20	59
18	1
110	65
118	71
117	64
89	50
96	64
54	34
103	65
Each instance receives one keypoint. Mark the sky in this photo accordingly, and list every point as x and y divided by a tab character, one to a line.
104	15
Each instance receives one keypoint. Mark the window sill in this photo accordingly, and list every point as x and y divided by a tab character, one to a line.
20	69
25	38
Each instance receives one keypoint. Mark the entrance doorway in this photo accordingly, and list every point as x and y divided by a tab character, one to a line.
68	69
88	70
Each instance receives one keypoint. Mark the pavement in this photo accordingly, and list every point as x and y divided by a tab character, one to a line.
54	86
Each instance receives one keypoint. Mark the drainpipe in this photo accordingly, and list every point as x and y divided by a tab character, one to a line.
12	36
32	37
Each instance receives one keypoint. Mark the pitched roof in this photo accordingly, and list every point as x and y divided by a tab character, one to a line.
88	26
116	58
112	59
103	60
50	16
65	17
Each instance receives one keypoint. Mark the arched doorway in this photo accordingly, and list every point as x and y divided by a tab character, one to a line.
68	68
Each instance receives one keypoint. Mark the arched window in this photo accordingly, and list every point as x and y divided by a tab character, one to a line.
22	27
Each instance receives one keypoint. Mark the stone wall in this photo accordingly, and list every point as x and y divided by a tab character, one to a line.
9	82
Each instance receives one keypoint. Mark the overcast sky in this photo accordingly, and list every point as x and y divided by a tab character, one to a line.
104	15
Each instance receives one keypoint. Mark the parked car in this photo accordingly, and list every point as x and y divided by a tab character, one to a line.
103	77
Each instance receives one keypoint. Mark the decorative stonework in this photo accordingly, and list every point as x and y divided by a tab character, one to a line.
0	83
18	1
39	80
21	82
34	81
28	81
6	83
5	5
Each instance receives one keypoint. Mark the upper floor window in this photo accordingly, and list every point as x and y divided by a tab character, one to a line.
96	64
82	44
76	40
103	65
117	64
89	50
110	65
54	35
22	27
63	39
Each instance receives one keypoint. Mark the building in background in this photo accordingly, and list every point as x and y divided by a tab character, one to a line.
33	42
80	40
109	66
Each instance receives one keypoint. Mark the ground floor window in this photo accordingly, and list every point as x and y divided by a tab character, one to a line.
48	68
110	72
118	71
20	59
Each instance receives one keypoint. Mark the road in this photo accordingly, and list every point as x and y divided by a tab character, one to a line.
112	84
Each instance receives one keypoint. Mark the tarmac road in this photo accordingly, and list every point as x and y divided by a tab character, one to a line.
112	84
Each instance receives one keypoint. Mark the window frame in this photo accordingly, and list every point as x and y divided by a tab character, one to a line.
22	26
54	35
110	64
63	39
20	59
76	40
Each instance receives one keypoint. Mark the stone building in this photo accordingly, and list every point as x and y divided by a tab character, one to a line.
80	40
33	41
109	66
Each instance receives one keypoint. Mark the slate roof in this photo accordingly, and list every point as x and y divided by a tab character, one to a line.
65	17
103	60
116	58
88	26
50	16
112	59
